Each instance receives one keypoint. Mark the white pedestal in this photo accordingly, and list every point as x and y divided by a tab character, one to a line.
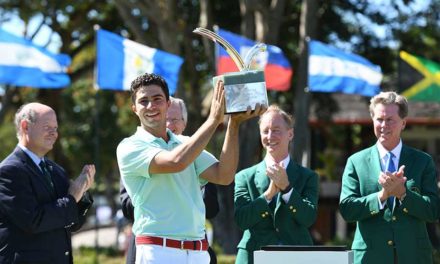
303	257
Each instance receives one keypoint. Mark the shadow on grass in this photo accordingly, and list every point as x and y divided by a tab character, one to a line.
109	255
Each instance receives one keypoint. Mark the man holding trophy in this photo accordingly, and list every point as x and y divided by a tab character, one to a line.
163	175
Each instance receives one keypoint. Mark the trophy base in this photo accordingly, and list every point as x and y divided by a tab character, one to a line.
243	89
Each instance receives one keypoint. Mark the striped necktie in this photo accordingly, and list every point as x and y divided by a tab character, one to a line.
390	168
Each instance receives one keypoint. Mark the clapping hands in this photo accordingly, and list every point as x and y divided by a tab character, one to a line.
278	180
83	182
393	184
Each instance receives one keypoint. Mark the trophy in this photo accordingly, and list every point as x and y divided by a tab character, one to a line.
246	87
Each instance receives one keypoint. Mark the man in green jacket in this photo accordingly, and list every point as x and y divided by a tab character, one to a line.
275	200
390	191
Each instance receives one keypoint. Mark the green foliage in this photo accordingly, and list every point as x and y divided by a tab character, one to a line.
92	123
436	256
88	133
337	241
9	139
329	158
226	259
7	127
77	122
91	255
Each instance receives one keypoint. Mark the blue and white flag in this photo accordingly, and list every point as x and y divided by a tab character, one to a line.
120	61
23	63
333	70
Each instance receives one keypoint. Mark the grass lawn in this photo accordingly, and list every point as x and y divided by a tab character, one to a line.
111	256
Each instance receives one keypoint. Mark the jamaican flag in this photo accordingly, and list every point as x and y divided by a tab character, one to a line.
419	78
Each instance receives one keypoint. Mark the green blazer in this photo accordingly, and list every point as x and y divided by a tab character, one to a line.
379	231
278	222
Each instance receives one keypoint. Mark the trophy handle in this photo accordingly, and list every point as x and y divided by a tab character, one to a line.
229	49
260	47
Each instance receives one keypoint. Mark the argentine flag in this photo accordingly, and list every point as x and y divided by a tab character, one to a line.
23	63
120	61
333	70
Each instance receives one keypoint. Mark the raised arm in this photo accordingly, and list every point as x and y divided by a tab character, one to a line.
180	157
223	172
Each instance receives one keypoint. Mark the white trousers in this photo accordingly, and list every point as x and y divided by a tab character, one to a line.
154	254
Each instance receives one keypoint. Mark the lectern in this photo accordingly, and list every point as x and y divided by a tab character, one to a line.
303	255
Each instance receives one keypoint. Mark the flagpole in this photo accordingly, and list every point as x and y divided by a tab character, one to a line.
301	141
399	79
96	144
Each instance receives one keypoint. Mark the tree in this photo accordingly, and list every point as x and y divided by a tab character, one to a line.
73	104
93	122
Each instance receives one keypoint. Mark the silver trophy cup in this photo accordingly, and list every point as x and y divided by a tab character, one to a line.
246	87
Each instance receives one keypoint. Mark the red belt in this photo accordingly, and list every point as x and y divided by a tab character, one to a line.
166	242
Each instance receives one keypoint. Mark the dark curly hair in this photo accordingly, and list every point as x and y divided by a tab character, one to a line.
148	79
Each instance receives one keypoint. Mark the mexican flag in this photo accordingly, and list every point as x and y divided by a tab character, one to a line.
419	78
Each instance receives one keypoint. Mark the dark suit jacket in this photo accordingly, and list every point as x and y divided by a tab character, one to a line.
277	222
128	211
35	222
210	200
211	208
379	231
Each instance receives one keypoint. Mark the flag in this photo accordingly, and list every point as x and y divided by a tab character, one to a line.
333	70
120	61
419	78
23	63
277	70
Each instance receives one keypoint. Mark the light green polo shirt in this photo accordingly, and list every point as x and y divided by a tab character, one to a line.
166	205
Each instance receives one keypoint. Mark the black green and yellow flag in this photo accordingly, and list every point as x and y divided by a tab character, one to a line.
419	78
